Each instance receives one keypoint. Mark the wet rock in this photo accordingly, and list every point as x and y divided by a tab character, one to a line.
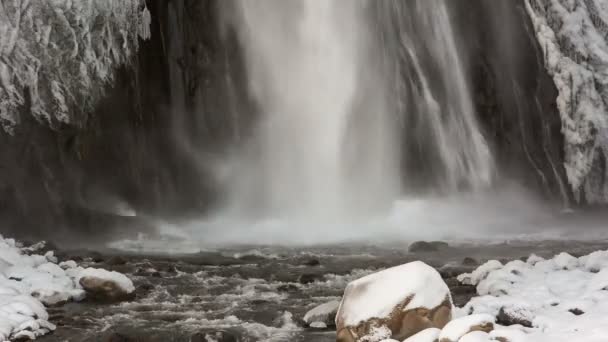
219	336
287	288
147	272
324	313
118	337
105	290
116	261
309	278
424	246
508	317
95	257
470	262
312	263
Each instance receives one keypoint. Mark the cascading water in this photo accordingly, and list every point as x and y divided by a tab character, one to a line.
442	143
339	84
320	108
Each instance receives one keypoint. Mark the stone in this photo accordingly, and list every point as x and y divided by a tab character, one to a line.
468	261
116	260
508	317
312	263
462	326
324	313
309	278
103	290
218	336
576	311
425	247
426	304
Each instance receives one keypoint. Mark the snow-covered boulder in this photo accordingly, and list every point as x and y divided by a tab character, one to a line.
395	303
106	286
456	329
428	335
324	313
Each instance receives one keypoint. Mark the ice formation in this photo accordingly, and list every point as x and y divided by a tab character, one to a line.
573	36
56	56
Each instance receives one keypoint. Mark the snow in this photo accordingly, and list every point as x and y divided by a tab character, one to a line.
573	36
377	295
480	273
28	282
62	53
459	327
564	298
428	335
322	313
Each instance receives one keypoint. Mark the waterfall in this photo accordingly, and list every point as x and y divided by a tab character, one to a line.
354	98
442	142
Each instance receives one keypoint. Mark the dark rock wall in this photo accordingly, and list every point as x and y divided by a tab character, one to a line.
514	95
145	146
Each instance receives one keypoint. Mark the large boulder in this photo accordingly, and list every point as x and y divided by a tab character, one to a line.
395	303
104	286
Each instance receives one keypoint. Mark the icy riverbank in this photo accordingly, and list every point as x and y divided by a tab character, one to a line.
29	282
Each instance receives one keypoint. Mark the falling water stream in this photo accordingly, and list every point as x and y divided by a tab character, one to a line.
349	94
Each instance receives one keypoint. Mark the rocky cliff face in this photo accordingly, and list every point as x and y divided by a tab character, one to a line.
133	152
573	36
514	96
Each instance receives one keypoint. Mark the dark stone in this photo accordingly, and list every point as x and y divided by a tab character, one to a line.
470	262
507	319
219	336
96	257
309	278
116	261
576	311
312	263
424	246
287	288
118	337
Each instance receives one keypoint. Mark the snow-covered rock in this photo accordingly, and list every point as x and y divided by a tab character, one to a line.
428	335
57	55
29	281
395	303
105	286
563	299
573	36
462	326
324	313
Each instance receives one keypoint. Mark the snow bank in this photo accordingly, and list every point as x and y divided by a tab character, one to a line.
563	299
28	282
377	295
574	38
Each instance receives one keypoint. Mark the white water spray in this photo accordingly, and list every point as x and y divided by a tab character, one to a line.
306	63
